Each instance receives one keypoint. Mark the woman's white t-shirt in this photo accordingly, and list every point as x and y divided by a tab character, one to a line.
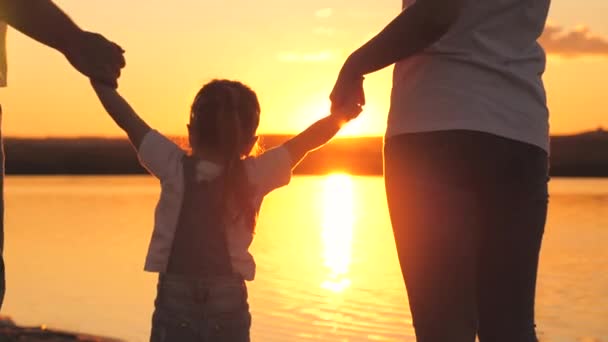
484	75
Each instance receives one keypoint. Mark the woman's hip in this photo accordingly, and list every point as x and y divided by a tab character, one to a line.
475	161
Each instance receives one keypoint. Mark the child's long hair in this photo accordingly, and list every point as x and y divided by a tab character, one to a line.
225	116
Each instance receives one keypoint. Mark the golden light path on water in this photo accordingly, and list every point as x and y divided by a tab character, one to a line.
337	231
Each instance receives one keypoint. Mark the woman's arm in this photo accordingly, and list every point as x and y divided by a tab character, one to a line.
41	20
122	113
415	29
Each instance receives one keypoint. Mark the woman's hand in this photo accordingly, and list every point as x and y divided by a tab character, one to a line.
348	92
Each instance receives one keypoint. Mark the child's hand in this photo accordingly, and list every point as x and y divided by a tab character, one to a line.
347	112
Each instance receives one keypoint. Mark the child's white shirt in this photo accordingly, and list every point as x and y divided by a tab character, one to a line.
164	159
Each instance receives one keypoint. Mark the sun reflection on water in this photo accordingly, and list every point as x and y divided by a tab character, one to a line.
337	233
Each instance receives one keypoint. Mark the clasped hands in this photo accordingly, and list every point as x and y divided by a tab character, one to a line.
95	57
347	97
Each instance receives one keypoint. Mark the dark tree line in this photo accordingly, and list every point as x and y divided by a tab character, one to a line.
583	155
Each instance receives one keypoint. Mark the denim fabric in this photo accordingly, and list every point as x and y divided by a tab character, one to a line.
189	309
468	211
199	245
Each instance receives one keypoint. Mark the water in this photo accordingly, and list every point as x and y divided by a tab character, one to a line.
327	265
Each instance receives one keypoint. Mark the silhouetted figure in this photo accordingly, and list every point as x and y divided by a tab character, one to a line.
89	53
465	161
209	202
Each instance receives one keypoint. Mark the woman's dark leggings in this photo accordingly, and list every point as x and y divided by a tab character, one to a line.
468	211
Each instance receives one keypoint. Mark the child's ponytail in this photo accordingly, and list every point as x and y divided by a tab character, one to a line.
225	115
236	185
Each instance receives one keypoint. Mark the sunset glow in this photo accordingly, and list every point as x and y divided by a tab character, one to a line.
290	54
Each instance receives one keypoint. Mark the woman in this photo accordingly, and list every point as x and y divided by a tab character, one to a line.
466	157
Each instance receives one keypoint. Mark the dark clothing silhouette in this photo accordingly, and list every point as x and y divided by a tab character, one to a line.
468	238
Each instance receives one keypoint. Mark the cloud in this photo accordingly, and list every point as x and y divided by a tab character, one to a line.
578	42
311	57
324	31
324	13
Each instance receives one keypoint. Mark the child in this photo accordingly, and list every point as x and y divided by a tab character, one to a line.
209	201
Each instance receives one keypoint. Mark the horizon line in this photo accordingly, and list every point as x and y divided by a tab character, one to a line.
599	129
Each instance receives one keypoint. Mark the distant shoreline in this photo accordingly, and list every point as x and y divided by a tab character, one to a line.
580	155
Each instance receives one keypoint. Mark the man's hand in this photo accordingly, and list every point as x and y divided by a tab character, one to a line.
96	57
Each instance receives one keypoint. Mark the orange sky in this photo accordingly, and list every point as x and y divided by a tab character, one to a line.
289	52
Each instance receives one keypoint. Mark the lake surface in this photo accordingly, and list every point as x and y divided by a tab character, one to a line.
327	265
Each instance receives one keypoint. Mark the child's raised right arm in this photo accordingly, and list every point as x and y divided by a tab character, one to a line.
122	113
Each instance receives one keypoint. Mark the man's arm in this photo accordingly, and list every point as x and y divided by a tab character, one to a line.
415	29
89	53
122	113
41	20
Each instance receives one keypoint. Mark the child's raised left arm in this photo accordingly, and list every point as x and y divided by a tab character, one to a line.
318	134
122	113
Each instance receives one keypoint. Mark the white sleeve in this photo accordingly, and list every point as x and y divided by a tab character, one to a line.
160	156
270	170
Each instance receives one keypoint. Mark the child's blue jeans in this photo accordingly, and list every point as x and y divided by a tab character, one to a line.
192	309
